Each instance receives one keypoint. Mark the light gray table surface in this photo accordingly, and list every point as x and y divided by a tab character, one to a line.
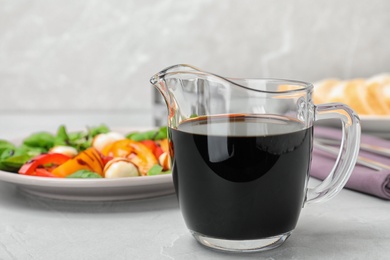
350	226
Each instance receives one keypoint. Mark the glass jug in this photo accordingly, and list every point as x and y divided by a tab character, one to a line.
241	152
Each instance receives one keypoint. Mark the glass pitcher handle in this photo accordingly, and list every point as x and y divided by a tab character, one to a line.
349	149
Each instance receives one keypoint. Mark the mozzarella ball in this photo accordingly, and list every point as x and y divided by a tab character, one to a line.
102	140
119	168
63	149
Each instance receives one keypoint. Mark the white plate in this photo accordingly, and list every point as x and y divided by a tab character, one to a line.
375	125
129	188
92	189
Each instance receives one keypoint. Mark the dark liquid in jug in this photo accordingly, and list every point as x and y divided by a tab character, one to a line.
241	176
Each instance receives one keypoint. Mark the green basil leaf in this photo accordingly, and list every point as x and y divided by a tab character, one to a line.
84	174
94	131
13	164
159	134
83	140
131	134
4	167
76	136
162	133
7	152
5	144
42	139
62	137
31	151
138	136
155	170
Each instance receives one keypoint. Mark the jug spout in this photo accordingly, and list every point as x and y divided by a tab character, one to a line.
162	79
177	84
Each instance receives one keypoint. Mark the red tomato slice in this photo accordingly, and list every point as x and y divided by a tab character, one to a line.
158	151
40	162
154	147
42	172
106	159
150	144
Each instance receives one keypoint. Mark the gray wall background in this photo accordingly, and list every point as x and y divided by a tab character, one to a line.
98	56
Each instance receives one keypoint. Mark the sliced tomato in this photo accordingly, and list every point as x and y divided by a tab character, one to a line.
158	151
150	144
154	147
42	172
43	162
106	159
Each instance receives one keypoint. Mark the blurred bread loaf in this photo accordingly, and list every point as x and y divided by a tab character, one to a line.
369	96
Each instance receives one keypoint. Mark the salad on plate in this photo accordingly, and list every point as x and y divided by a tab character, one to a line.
97	152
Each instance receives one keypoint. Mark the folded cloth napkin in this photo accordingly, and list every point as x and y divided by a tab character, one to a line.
362	179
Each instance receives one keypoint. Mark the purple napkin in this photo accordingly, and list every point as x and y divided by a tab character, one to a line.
362	179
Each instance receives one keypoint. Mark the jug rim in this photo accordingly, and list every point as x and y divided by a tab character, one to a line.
298	84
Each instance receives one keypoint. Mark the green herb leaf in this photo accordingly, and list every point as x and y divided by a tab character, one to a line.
11	159
84	174
131	134
31	151
83	140
78	140
6	144
13	163
76	136
102	129
155	170
62	137
139	136
7	152
148	135
42	139
162	133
